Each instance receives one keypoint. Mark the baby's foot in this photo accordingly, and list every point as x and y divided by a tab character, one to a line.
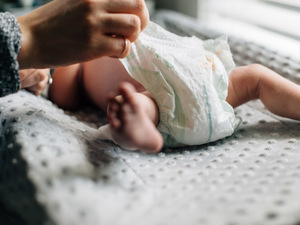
132	127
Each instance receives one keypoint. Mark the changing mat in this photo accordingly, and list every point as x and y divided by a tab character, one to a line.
55	171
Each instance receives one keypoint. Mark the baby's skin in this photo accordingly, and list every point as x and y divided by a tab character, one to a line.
133	117
131	111
133	114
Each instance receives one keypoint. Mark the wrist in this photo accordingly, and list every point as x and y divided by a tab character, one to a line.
26	53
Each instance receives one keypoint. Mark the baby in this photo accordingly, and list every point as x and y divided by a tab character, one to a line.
172	91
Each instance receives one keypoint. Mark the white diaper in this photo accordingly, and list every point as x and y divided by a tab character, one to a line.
188	78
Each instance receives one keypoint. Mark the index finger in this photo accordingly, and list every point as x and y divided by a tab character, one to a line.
137	7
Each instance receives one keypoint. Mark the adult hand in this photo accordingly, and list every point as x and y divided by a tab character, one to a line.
65	32
34	80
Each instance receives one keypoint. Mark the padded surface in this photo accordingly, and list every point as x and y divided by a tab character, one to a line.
54	169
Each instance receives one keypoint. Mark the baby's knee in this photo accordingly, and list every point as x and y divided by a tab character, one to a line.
250	73
248	69
256	68
247	79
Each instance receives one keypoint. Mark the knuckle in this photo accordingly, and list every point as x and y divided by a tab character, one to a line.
135	23
37	77
45	78
255	67
88	21
40	86
87	31
108	21
139	4
87	5
40	76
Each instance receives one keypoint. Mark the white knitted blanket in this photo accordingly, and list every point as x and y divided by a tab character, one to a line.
54	170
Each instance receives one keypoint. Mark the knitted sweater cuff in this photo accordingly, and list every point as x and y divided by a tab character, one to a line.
10	44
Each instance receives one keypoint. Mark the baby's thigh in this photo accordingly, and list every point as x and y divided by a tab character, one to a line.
101	78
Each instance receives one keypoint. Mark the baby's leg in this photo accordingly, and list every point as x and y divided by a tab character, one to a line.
101	79
93	82
133	117
65	91
279	95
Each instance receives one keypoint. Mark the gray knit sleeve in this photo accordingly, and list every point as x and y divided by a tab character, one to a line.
10	44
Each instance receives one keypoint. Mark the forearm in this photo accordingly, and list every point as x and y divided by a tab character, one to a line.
10	43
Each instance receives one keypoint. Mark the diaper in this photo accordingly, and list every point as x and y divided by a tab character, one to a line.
188	78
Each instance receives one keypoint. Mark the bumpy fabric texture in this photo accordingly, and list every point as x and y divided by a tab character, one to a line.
188	78
10	44
54	170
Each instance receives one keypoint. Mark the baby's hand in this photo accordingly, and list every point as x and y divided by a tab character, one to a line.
34	80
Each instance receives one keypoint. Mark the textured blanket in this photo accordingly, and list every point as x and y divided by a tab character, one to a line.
54	170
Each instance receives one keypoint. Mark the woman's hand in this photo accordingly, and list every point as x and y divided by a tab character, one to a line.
64	32
34	80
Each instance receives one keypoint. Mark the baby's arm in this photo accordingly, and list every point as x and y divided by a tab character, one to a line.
279	95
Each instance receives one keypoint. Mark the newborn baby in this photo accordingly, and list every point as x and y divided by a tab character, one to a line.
171	91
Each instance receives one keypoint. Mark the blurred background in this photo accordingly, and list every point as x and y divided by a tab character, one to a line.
272	23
